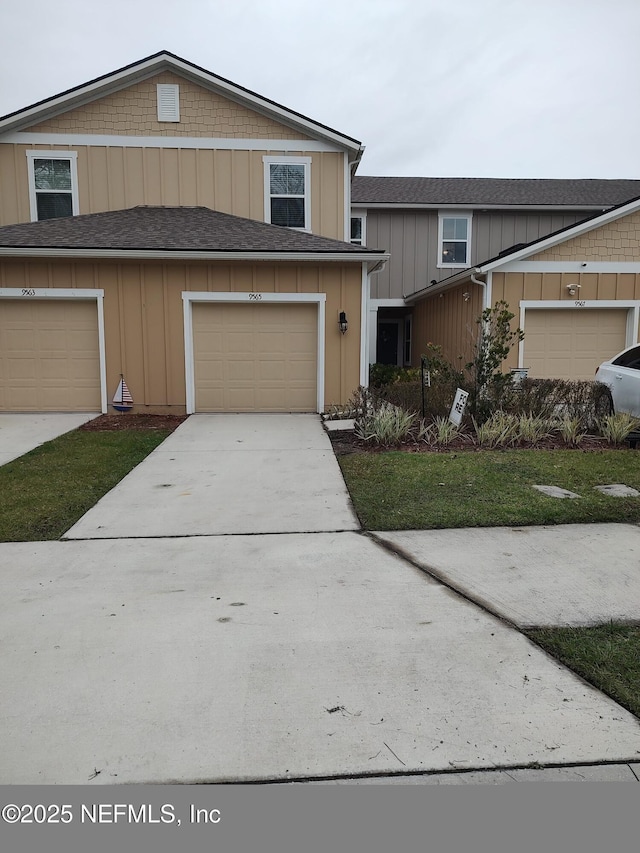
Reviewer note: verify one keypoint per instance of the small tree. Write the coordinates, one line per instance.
(495, 341)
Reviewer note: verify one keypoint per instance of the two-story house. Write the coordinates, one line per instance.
(436, 228)
(166, 224)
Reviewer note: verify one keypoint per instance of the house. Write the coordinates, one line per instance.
(166, 224)
(434, 228)
(575, 293)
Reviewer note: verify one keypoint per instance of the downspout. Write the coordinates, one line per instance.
(483, 285)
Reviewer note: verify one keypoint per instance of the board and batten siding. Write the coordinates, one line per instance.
(411, 236)
(231, 181)
(144, 319)
(448, 320)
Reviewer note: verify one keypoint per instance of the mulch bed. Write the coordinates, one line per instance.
(345, 442)
(109, 423)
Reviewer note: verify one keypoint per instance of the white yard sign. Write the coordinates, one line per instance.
(459, 404)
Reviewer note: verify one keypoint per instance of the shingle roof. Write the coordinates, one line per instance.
(196, 229)
(492, 192)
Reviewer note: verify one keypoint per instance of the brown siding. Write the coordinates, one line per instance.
(143, 311)
(449, 321)
(616, 241)
(230, 181)
(133, 112)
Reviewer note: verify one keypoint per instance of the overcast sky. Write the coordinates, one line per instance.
(479, 88)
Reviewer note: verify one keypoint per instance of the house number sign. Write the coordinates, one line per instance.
(580, 303)
(255, 297)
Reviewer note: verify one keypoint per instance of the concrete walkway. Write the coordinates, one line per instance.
(229, 474)
(212, 655)
(569, 574)
(277, 657)
(20, 433)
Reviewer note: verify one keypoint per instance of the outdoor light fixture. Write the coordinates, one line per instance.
(466, 296)
(573, 289)
(342, 322)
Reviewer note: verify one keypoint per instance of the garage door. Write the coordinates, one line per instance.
(49, 356)
(255, 358)
(571, 343)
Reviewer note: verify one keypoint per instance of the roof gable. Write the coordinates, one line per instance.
(166, 61)
(132, 111)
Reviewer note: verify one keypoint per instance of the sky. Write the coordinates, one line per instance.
(443, 88)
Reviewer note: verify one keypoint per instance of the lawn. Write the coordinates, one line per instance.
(419, 491)
(43, 493)
(608, 656)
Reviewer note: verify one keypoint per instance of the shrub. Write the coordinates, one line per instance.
(570, 430)
(499, 430)
(381, 375)
(444, 431)
(585, 401)
(386, 425)
(615, 428)
(532, 429)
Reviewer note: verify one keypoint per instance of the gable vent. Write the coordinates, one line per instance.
(168, 102)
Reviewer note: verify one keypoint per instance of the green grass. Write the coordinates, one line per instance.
(420, 491)
(46, 491)
(608, 656)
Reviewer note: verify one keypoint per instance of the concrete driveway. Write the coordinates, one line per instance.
(183, 649)
(229, 474)
(20, 433)
(270, 657)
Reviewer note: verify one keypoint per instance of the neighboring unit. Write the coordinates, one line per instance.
(435, 227)
(575, 294)
(166, 224)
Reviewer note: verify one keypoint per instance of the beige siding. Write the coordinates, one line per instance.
(112, 178)
(143, 310)
(412, 238)
(616, 241)
(133, 112)
(49, 358)
(449, 321)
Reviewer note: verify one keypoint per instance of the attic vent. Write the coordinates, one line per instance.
(168, 102)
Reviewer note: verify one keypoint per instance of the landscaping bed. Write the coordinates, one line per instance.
(134, 421)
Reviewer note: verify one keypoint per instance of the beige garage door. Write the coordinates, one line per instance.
(571, 343)
(49, 356)
(255, 358)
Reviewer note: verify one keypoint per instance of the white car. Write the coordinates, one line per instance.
(622, 375)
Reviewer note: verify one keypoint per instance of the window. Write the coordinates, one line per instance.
(408, 324)
(454, 240)
(53, 184)
(358, 229)
(287, 192)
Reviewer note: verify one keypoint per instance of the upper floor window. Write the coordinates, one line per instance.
(53, 184)
(287, 192)
(454, 240)
(358, 229)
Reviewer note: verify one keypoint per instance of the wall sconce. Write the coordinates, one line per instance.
(466, 296)
(573, 289)
(342, 322)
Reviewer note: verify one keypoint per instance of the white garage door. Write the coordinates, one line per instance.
(49, 356)
(255, 358)
(571, 343)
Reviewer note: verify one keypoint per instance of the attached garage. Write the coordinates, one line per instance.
(255, 356)
(49, 355)
(570, 343)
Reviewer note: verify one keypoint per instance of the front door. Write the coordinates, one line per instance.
(388, 341)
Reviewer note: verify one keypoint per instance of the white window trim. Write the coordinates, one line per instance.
(44, 154)
(292, 161)
(362, 215)
(453, 214)
(29, 294)
(189, 297)
(168, 115)
(632, 306)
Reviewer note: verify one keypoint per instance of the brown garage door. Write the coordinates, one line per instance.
(571, 343)
(49, 356)
(255, 358)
